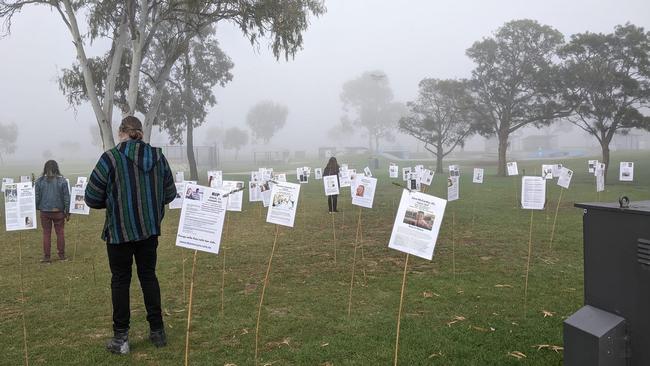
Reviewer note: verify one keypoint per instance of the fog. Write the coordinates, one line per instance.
(408, 42)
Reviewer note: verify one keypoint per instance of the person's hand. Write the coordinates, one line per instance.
(67, 217)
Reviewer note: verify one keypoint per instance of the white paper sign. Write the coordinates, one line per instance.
(413, 181)
(426, 176)
(367, 172)
(302, 174)
(417, 224)
(25, 179)
(202, 216)
(265, 191)
(600, 177)
(180, 177)
(556, 170)
(547, 171)
(215, 178)
(512, 168)
(393, 170)
(478, 176)
(6, 181)
(405, 173)
(318, 173)
(344, 177)
(81, 182)
(453, 188)
(564, 180)
(363, 191)
(236, 199)
(77, 203)
(533, 193)
(626, 172)
(284, 202)
(254, 193)
(331, 185)
(180, 193)
(591, 166)
(20, 206)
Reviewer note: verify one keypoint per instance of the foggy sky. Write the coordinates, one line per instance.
(408, 40)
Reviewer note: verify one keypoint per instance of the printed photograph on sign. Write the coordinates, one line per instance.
(418, 218)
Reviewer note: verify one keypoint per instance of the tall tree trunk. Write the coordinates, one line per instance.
(104, 123)
(439, 156)
(604, 146)
(191, 159)
(138, 45)
(503, 148)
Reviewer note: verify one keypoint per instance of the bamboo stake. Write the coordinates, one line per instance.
(550, 244)
(22, 295)
(474, 204)
(530, 248)
(266, 279)
(399, 313)
(189, 312)
(334, 234)
(354, 262)
(453, 244)
(184, 294)
(74, 255)
(223, 266)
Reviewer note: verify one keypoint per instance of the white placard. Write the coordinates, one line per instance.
(202, 216)
(318, 173)
(363, 191)
(20, 206)
(393, 170)
(533, 193)
(600, 177)
(215, 178)
(413, 181)
(284, 202)
(180, 177)
(426, 176)
(547, 171)
(282, 177)
(254, 193)
(367, 172)
(626, 171)
(177, 203)
(591, 166)
(256, 177)
(331, 185)
(478, 175)
(556, 170)
(81, 182)
(344, 177)
(512, 168)
(6, 181)
(454, 170)
(564, 180)
(453, 189)
(417, 224)
(236, 199)
(77, 204)
(25, 178)
(302, 174)
(405, 173)
(265, 192)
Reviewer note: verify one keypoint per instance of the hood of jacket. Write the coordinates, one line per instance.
(139, 152)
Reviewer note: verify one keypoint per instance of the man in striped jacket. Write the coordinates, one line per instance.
(133, 182)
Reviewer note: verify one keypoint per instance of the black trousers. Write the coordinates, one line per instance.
(331, 202)
(120, 259)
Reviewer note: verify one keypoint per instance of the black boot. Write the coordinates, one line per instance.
(158, 337)
(119, 344)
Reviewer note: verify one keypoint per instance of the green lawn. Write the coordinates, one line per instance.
(474, 316)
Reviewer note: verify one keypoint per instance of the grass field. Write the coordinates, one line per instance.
(471, 316)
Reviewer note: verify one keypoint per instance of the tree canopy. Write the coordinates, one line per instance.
(266, 118)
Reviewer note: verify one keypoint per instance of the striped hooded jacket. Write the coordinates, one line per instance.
(133, 182)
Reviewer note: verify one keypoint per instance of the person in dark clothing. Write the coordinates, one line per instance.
(53, 200)
(133, 182)
(332, 168)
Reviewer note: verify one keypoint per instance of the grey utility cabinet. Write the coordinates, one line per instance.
(613, 328)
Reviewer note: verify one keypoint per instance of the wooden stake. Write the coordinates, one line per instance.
(550, 244)
(74, 255)
(22, 295)
(189, 313)
(516, 193)
(530, 249)
(399, 313)
(223, 266)
(354, 262)
(184, 294)
(334, 234)
(453, 244)
(266, 279)
(93, 264)
(474, 203)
